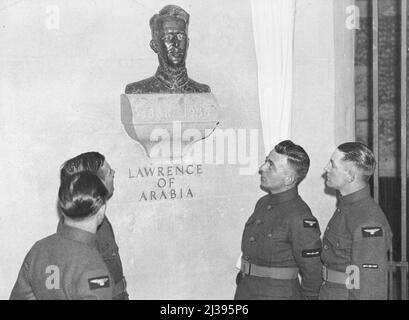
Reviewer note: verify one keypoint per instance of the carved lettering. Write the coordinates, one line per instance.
(177, 170)
(170, 194)
(166, 183)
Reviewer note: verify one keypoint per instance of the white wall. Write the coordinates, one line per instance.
(59, 96)
(323, 105)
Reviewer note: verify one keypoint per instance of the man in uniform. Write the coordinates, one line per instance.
(170, 42)
(358, 235)
(281, 239)
(105, 240)
(67, 265)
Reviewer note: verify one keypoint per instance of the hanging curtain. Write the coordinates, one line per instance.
(273, 28)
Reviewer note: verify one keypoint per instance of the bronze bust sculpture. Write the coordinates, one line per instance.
(170, 42)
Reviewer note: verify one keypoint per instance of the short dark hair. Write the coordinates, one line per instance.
(168, 11)
(360, 155)
(297, 158)
(82, 195)
(88, 161)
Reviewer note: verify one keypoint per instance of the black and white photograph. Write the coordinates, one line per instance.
(203, 150)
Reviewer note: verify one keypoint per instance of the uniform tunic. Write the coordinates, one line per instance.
(358, 234)
(166, 81)
(282, 232)
(108, 248)
(64, 266)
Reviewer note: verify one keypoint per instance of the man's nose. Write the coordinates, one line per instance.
(261, 168)
(175, 42)
(326, 168)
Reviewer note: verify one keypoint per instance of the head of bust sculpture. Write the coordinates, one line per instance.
(169, 36)
(170, 42)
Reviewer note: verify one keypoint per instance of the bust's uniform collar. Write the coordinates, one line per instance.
(172, 79)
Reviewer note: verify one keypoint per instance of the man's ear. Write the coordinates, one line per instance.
(351, 174)
(289, 180)
(153, 45)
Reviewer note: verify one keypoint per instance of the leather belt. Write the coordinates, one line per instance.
(268, 272)
(334, 276)
(119, 287)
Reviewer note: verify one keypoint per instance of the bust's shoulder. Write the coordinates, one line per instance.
(143, 86)
(198, 87)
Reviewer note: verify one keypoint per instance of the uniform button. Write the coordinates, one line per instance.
(325, 247)
(327, 228)
(338, 210)
(252, 239)
(269, 207)
(258, 221)
(270, 235)
(247, 258)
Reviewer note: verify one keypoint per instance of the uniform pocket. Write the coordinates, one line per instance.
(341, 246)
(275, 247)
(278, 234)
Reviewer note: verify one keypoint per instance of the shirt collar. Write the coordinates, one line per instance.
(172, 79)
(276, 198)
(355, 196)
(76, 234)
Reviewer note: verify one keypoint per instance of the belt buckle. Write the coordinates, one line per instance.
(246, 267)
(324, 273)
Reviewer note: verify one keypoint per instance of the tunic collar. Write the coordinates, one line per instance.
(76, 234)
(284, 196)
(355, 196)
(172, 78)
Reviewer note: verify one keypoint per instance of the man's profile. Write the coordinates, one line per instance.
(170, 42)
